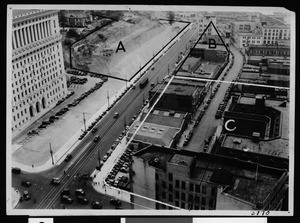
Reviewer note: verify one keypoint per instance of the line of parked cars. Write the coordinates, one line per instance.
(77, 72)
(224, 102)
(77, 80)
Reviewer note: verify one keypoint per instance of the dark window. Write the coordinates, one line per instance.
(203, 189)
(203, 201)
(171, 197)
(211, 204)
(170, 177)
(164, 195)
(177, 203)
(197, 199)
(191, 198)
(176, 195)
(177, 183)
(183, 196)
(182, 185)
(182, 205)
(213, 191)
(170, 187)
(198, 188)
(164, 184)
(191, 187)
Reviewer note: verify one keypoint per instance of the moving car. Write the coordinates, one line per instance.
(25, 183)
(55, 181)
(116, 115)
(96, 139)
(79, 192)
(115, 202)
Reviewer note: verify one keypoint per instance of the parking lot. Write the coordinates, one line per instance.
(63, 121)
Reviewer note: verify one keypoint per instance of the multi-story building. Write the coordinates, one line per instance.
(194, 181)
(204, 22)
(269, 50)
(38, 78)
(276, 34)
(180, 96)
(243, 39)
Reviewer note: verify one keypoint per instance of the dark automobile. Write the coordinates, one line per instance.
(68, 157)
(96, 139)
(115, 202)
(94, 130)
(82, 200)
(66, 199)
(55, 181)
(16, 170)
(65, 191)
(79, 192)
(25, 183)
(96, 205)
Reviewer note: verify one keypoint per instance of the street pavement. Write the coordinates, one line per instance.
(209, 123)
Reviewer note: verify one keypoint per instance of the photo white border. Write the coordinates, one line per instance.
(129, 212)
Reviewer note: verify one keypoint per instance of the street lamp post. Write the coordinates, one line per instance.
(84, 122)
(51, 153)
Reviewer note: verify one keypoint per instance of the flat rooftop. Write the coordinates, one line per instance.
(22, 12)
(179, 89)
(190, 62)
(264, 76)
(206, 47)
(164, 118)
(240, 176)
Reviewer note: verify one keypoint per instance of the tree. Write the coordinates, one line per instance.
(72, 33)
(171, 17)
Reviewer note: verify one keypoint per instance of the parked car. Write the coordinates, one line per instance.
(82, 200)
(79, 192)
(26, 195)
(94, 130)
(105, 158)
(96, 205)
(25, 183)
(115, 202)
(68, 157)
(16, 170)
(66, 199)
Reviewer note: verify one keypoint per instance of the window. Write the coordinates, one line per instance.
(198, 188)
(176, 195)
(183, 196)
(170, 197)
(177, 183)
(182, 185)
(190, 198)
(182, 205)
(213, 191)
(164, 184)
(203, 201)
(203, 189)
(191, 187)
(164, 195)
(211, 204)
(177, 203)
(170, 177)
(170, 187)
(197, 199)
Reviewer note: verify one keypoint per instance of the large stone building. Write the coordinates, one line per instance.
(38, 79)
(194, 181)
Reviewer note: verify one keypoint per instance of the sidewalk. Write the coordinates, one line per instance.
(15, 197)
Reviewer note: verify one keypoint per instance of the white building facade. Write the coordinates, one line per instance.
(276, 34)
(38, 74)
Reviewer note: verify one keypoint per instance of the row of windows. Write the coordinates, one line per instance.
(183, 185)
(193, 202)
(276, 30)
(33, 20)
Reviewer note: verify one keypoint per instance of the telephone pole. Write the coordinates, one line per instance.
(51, 153)
(84, 122)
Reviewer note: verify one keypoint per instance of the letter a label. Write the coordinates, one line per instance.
(120, 47)
(212, 44)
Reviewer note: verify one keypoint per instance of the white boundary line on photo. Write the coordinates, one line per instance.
(33, 212)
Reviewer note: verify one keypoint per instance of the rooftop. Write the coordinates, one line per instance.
(239, 176)
(206, 46)
(179, 89)
(23, 12)
(257, 76)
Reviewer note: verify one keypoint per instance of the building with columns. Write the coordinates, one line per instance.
(38, 74)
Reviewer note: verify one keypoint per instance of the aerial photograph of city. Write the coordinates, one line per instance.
(150, 109)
